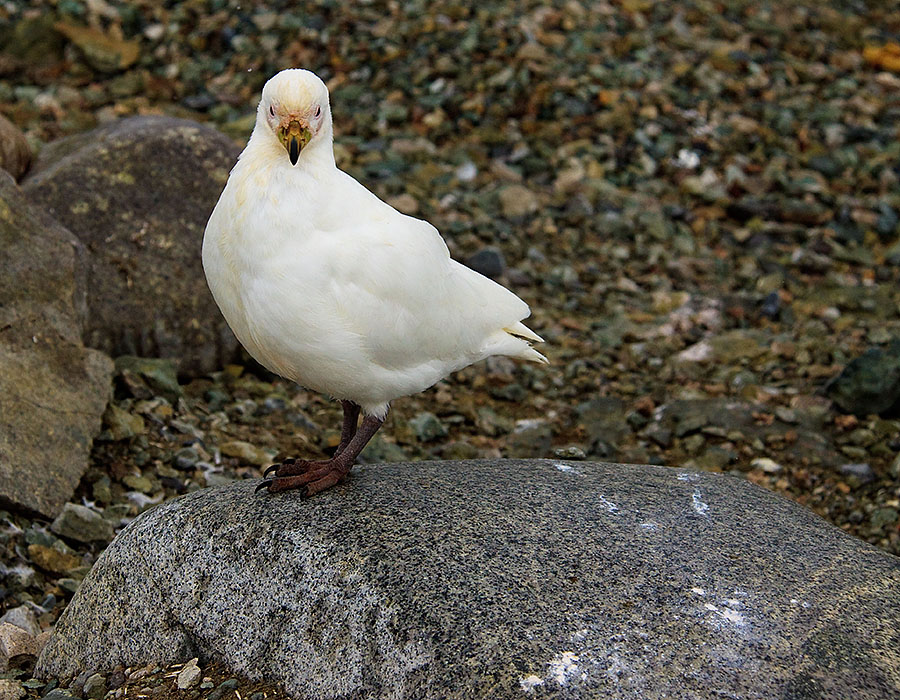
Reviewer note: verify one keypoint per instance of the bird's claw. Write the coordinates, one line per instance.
(287, 465)
(265, 483)
(284, 484)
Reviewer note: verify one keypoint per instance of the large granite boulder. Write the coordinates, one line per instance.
(52, 390)
(138, 193)
(498, 580)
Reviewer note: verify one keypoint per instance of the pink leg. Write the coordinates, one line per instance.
(292, 466)
(320, 475)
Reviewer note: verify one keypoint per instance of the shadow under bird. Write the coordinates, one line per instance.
(328, 286)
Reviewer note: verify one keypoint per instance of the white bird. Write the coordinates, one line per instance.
(328, 286)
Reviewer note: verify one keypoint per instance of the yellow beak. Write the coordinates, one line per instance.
(294, 135)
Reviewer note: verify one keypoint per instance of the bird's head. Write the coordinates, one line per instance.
(295, 107)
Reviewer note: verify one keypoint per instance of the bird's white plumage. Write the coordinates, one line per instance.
(327, 285)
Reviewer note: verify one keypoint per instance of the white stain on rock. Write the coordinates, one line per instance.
(688, 476)
(699, 506)
(563, 667)
(735, 617)
(610, 506)
(529, 683)
(566, 468)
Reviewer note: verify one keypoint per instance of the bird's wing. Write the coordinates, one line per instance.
(396, 286)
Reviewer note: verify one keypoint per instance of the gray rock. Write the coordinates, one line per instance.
(517, 201)
(138, 193)
(492, 579)
(188, 676)
(604, 423)
(11, 690)
(58, 694)
(861, 471)
(869, 383)
(488, 261)
(81, 524)
(120, 424)
(94, 687)
(23, 618)
(530, 438)
(15, 153)
(427, 427)
(158, 375)
(15, 643)
(52, 390)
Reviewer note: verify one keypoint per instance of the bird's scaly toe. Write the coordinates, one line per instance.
(294, 467)
(309, 482)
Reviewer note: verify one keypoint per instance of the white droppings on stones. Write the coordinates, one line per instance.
(735, 617)
(609, 505)
(688, 476)
(698, 591)
(699, 506)
(530, 682)
(649, 526)
(566, 468)
(563, 667)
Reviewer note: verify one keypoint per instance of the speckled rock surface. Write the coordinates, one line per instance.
(52, 390)
(498, 580)
(138, 193)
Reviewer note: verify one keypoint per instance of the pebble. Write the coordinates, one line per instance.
(50, 559)
(427, 427)
(248, 452)
(159, 375)
(58, 694)
(487, 261)
(572, 452)
(861, 471)
(186, 458)
(95, 687)
(769, 466)
(189, 675)
(11, 689)
(121, 424)
(82, 524)
(138, 482)
(22, 617)
(15, 642)
(517, 201)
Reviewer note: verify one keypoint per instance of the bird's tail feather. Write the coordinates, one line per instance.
(515, 342)
(520, 330)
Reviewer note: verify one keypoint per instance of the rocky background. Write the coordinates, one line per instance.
(699, 200)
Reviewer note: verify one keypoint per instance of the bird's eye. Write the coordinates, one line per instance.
(318, 111)
(272, 110)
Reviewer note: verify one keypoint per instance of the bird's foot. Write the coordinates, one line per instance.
(309, 477)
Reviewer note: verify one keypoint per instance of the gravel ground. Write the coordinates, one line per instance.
(699, 200)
